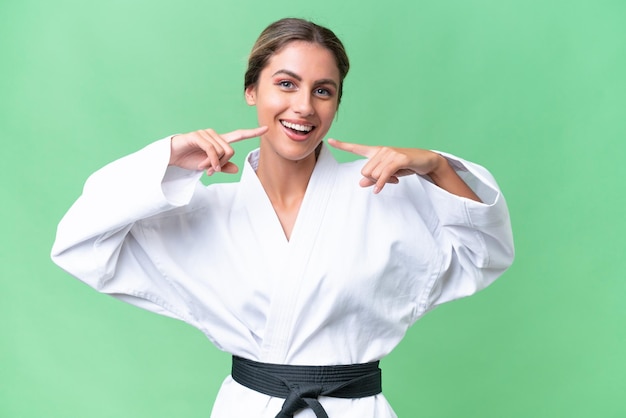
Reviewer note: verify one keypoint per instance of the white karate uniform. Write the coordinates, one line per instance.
(358, 270)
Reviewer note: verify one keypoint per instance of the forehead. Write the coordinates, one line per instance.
(306, 59)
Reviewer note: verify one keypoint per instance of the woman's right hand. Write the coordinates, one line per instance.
(207, 150)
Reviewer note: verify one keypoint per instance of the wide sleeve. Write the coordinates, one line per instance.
(95, 240)
(475, 239)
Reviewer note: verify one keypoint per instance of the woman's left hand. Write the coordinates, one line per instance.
(388, 164)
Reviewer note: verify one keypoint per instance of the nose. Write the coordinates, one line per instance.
(302, 103)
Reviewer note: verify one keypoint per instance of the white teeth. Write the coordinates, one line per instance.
(296, 126)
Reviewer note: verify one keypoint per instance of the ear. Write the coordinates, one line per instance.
(251, 95)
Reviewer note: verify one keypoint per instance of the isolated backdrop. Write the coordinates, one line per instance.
(534, 90)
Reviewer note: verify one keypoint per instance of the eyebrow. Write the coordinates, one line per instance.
(297, 77)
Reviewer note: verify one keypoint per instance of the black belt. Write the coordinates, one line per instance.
(300, 386)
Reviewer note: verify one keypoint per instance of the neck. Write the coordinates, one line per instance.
(284, 181)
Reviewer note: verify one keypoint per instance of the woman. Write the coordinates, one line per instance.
(307, 271)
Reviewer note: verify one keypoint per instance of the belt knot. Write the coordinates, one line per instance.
(302, 395)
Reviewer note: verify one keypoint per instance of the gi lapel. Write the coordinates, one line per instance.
(291, 267)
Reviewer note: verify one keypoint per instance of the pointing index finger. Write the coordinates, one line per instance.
(241, 134)
(358, 149)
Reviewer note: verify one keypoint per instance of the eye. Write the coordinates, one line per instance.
(323, 92)
(285, 84)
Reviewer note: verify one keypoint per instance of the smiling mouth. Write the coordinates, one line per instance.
(298, 128)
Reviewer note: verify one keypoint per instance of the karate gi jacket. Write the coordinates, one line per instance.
(358, 271)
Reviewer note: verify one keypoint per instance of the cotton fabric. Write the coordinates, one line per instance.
(357, 272)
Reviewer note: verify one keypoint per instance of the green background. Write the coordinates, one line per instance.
(534, 90)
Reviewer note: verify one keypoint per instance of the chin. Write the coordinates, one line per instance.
(288, 148)
(297, 151)
(299, 155)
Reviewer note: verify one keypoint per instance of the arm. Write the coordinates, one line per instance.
(444, 176)
(100, 226)
(388, 164)
(464, 207)
(475, 237)
(99, 240)
(160, 177)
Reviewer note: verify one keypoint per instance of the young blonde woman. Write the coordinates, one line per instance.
(307, 271)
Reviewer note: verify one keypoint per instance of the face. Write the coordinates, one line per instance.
(296, 97)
